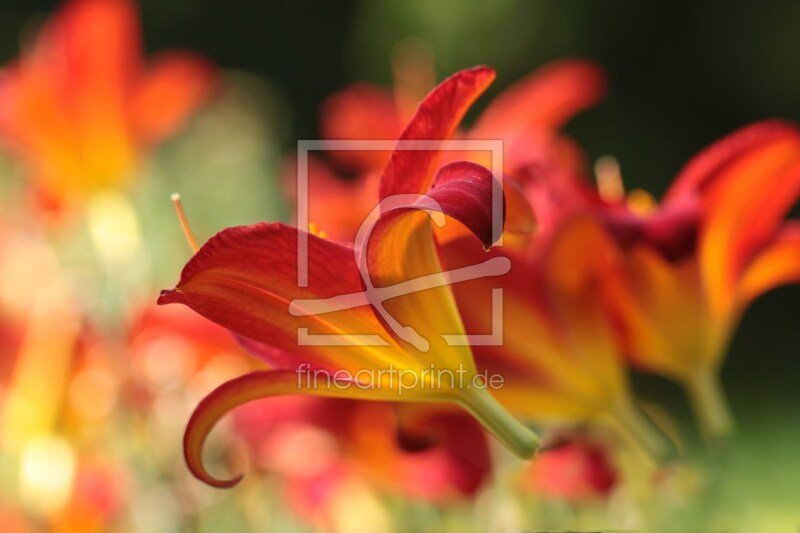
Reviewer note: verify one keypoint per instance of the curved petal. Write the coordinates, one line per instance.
(545, 99)
(171, 89)
(777, 264)
(431, 451)
(410, 171)
(518, 226)
(253, 386)
(704, 168)
(742, 212)
(245, 278)
(466, 192)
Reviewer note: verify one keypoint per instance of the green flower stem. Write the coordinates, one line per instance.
(709, 403)
(517, 437)
(639, 426)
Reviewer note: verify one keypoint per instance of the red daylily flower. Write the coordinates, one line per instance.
(246, 279)
(80, 107)
(526, 117)
(683, 309)
(692, 265)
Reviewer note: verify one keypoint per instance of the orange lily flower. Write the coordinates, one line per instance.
(691, 266)
(683, 303)
(246, 279)
(526, 116)
(80, 107)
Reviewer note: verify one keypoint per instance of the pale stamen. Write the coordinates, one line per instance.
(187, 230)
(609, 179)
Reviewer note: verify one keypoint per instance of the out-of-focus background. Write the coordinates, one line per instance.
(681, 76)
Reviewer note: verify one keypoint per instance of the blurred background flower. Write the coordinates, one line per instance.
(80, 104)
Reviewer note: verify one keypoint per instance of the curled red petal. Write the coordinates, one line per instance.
(462, 190)
(467, 192)
(410, 171)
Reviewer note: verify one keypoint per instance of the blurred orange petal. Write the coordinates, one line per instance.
(545, 99)
(743, 209)
(172, 87)
(777, 264)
